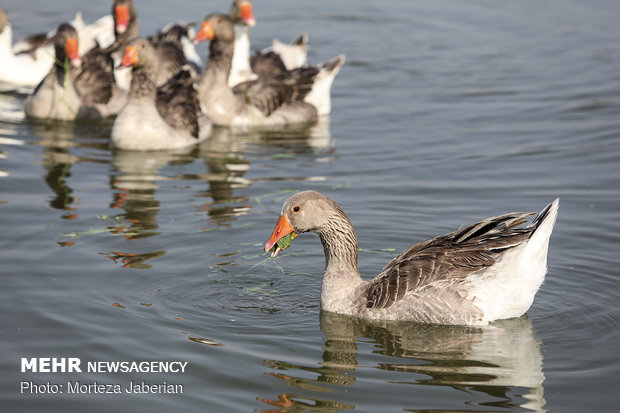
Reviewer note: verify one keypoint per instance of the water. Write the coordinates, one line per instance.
(446, 112)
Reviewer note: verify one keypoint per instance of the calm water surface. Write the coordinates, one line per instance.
(446, 112)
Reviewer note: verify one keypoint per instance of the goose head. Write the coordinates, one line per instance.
(66, 45)
(216, 27)
(307, 211)
(125, 17)
(241, 12)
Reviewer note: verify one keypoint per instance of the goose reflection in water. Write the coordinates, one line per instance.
(224, 155)
(140, 176)
(497, 366)
(57, 140)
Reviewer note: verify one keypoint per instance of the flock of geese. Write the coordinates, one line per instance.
(156, 87)
(486, 271)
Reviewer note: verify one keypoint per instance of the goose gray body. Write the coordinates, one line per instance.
(486, 271)
(263, 104)
(74, 89)
(157, 118)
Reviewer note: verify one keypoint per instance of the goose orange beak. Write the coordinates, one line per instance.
(130, 58)
(121, 14)
(282, 229)
(72, 51)
(205, 32)
(247, 15)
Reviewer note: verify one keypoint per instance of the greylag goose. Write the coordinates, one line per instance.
(28, 61)
(486, 271)
(74, 89)
(243, 68)
(266, 103)
(158, 118)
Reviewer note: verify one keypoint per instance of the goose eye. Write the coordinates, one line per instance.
(296, 209)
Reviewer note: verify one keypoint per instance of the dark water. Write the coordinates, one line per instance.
(445, 112)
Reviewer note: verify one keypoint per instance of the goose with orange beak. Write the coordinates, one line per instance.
(483, 272)
(74, 89)
(263, 105)
(158, 118)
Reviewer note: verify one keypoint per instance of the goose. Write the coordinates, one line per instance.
(155, 118)
(74, 89)
(28, 61)
(483, 272)
(291, 56)
(265, 103)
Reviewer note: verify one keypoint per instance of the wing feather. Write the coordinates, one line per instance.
(451, 257)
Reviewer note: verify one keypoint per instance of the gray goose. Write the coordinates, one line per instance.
(264, 105)
(74, 89)
(156, 118)
(486, 271)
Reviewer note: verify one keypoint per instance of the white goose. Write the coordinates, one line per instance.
(486, 271)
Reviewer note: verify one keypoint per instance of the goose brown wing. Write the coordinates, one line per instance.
(101, 57)
(171, 59)
(173, 33)
(94, 84)
(177, 103)
(268, 94)
(267, 64)
(449, 258)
